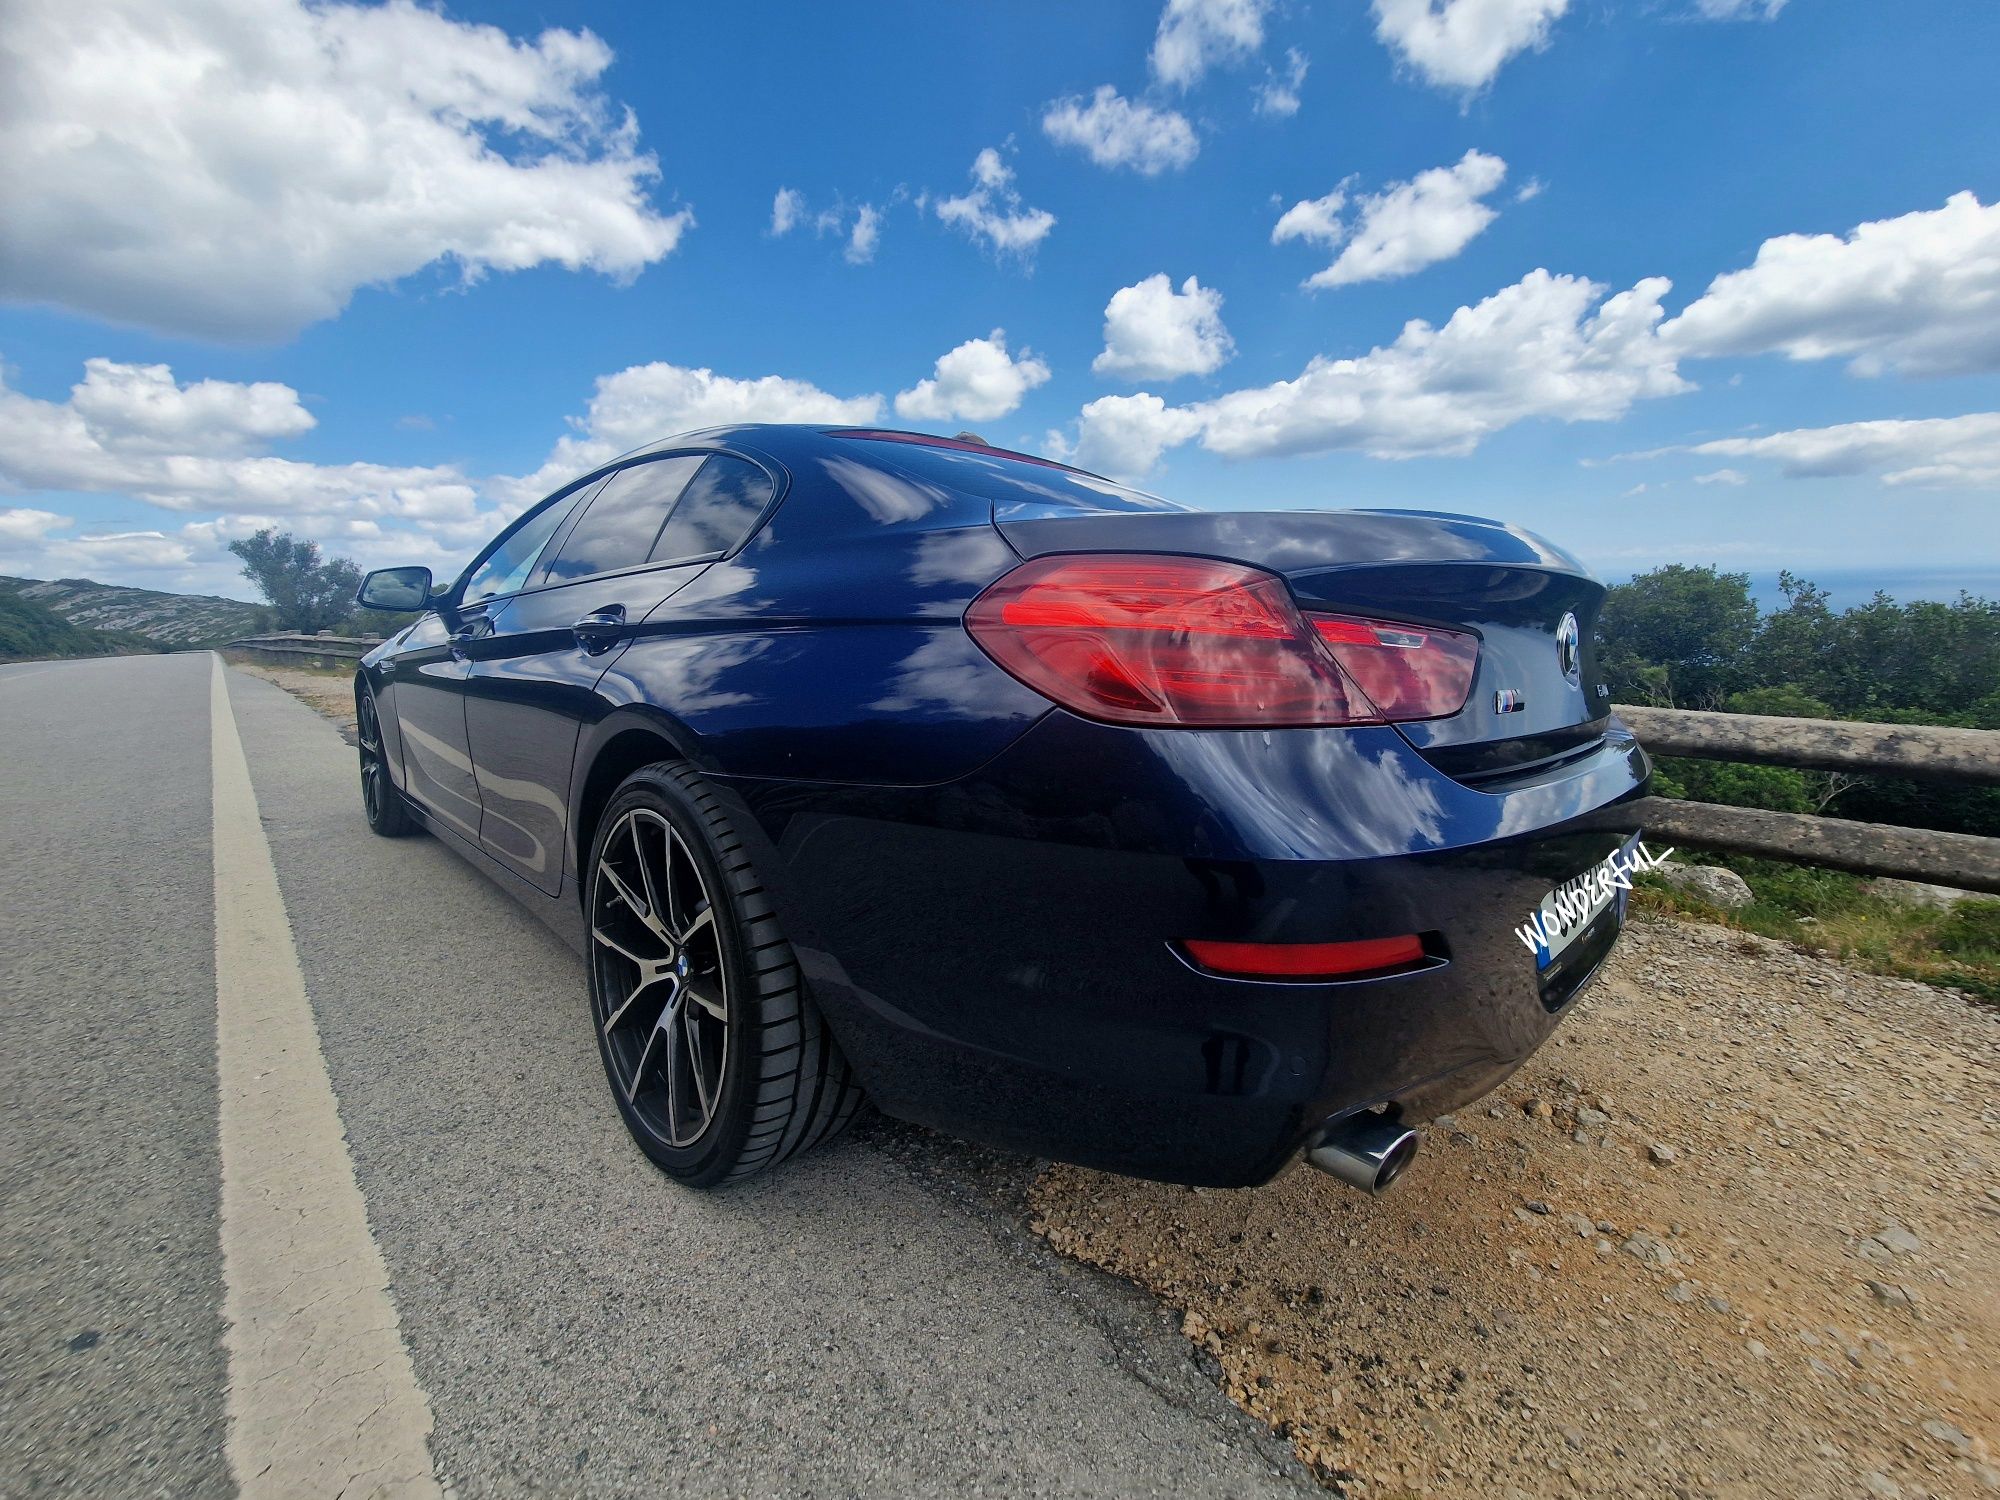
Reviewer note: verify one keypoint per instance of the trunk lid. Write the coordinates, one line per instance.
(1506, 585)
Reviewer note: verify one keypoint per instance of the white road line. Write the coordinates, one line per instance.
(323, 1400)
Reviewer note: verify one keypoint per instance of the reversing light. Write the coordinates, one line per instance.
(1306, 960)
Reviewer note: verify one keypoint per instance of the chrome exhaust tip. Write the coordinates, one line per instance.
(1365, 1151)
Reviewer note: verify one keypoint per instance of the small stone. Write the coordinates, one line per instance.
(1821, 1367)
(1589, 1118)
(1881, 1486)
(1662, 1155)
(1648, 1248)
(1583, 1227)
(1947, 1434)
(1536, 1206)
(1718, 1304)
(1891, 1239)
(1445, 1122)
(1497, 1112)
(1605, 1226)
(1680, 1291)
(1757, 1350)
(1891, 1294)
(1538, 1109)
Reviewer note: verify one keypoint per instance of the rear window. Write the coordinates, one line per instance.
(624, 520)
(716, 510)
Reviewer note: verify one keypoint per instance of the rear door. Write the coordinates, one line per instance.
(651, 528)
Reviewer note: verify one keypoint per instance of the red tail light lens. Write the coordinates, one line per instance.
(1406, 671)
(1138, 639)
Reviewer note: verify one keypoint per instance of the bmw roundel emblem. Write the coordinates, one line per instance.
(1569, 647)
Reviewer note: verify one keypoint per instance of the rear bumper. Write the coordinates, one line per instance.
(998, 955)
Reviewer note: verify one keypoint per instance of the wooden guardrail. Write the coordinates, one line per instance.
(1967, 861)
(300, 650)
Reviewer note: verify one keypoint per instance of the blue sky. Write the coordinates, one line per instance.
(408, 268)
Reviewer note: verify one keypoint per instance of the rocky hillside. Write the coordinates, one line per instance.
(168, 620)
(30, 631)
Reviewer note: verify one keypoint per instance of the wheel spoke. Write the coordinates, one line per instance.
(695, 1064)
(708, 1002)
(703, 918)
(619, 948)
(624, 892)
(651, 915)
(668, 1025)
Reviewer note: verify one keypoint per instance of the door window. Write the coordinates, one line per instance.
(624, 519)
(508, 566)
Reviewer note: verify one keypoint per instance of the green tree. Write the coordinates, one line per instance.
(306, 592)
(1676, 635)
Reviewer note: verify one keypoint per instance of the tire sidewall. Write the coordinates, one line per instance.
(709, 1158)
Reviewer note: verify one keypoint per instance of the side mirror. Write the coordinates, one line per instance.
(396, 589)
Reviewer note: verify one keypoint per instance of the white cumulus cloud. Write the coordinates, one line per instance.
(1919, 295)
(975, 382)
(1548, 346)
(1738, 10)
(1279, 94)
(238, 168)
(1152, 332)
(1116, 132)
(1124, 436)
(1196, 35)
(1927, 452)
(864, 236)
(131, 430)
(644, 403)
(1462, 44)
(788, 208)
(1403, 228)
(992, 210)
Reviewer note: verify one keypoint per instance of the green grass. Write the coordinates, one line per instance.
(1833, 913)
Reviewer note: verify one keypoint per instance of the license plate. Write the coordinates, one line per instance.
(1566, 912)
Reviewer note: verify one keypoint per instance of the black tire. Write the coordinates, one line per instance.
(782, 1085)
(380, 801)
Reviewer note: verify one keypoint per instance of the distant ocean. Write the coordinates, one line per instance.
(1847, 587)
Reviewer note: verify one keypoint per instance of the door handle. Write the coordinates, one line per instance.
(599, 630)
(457, 641)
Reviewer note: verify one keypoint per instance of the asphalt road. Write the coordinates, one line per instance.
(874, 1319)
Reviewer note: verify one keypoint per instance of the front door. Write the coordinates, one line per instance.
(428, 698)
(532, 675)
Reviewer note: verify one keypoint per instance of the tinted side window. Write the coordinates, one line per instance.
(508, 568)
(717, 510)
(623, 522)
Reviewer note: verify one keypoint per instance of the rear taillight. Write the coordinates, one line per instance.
(1137, 639)
(1406, 671)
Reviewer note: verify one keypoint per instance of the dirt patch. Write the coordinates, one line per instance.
(331, 693)
(1735, 1231)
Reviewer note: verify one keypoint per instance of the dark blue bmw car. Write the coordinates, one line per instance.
(868, 764)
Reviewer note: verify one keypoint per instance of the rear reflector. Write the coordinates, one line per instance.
(1306, 960)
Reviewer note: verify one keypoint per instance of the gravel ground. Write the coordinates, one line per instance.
(331, 693)
(1736, 1231)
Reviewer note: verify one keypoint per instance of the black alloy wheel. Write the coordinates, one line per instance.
(381, 801)
(718, 1060)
